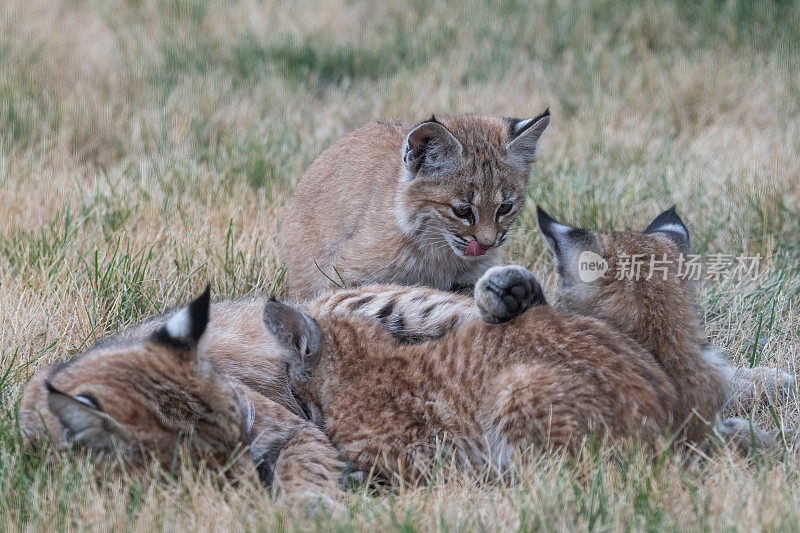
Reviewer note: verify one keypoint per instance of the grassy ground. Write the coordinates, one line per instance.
(149, 146)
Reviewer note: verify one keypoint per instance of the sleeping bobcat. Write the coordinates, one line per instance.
(428, 205)
(136, 395)
(635, 365)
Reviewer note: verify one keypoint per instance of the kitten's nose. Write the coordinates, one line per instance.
(483, 243)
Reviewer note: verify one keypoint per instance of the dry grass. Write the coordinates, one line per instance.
(148, 146)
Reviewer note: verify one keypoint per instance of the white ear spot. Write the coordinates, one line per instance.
(522, 125)
(179, 325)
(558, 230)
(674, 228)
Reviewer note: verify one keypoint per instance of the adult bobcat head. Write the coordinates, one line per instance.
(464, 179)
(140, 399)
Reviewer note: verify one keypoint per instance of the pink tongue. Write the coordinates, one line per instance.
(474, 249)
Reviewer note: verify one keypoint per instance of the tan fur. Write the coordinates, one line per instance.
(232, 395)
(359, 217)
(662, 316)
(419, 314)
(545, 379)
(241, 363)
(135, 379)
(151, 395)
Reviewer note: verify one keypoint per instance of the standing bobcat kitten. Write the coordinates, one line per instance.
(428, 205)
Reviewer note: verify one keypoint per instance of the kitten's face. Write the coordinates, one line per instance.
(469, 208)
(623, 277)
(149, 396)
(141, 398)
(464, 180)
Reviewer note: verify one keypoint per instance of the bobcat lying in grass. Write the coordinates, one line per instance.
(208, 375)
(221, 379)
(214, 385)
(634, 364)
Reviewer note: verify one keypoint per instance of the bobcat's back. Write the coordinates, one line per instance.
(545, 379)
(346, 195)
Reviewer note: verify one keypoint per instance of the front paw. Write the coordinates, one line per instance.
(762, 384)
(746, 437)
(504, 292)
(740, 434)
(779, 387)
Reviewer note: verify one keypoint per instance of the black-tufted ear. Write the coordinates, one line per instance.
(523, 137)
(430, 150)
(577, 252)
(671, 225)
(186, 326)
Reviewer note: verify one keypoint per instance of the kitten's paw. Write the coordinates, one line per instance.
(763, 384)
(314, 504)
(504, 292)
(779, 387)
(738, 433)
(747, 437)
(355, 478)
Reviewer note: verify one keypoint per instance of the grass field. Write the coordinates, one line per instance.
(149, 146)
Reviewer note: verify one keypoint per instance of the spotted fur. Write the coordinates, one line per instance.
(633, 363)
(544, 380)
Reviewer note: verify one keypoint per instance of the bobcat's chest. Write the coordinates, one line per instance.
(436, 266)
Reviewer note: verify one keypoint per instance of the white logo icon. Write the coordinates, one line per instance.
(591, 266)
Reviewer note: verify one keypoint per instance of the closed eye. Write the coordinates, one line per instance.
(88, 399)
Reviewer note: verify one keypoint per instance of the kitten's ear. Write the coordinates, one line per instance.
(671, 225)
(523, 138)
(577, 251)
(430, 150)
(82, 420)
(185, 327)
(297, 334)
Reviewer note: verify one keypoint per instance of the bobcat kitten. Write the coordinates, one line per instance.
(204, 375)
(428, 205)
(212, 372)
(544, 379)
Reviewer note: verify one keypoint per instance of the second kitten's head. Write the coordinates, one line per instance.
(464, 178)
(140, 399)
(640, 282)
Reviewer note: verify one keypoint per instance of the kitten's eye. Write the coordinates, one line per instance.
(504, 209)
(462, 211)
(88, 399)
